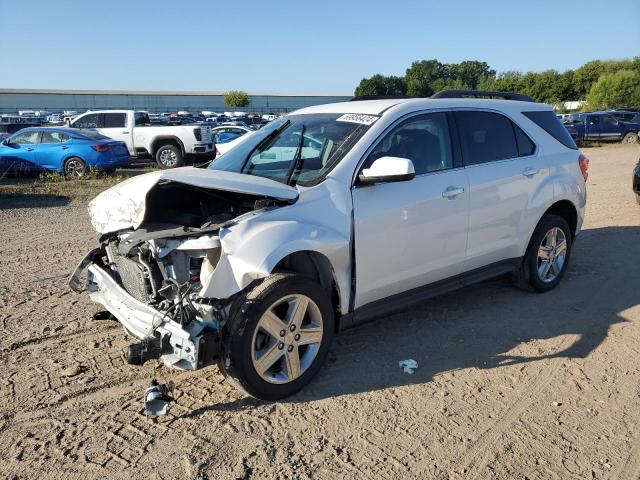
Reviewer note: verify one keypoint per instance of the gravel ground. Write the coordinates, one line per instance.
(511, 385)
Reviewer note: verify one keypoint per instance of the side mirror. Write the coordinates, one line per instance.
(388, 169)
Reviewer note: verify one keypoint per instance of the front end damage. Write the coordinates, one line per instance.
(162, 269)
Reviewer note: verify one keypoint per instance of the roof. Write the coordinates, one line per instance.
(377, 107)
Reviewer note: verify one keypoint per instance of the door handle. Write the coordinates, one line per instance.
(452, 192)
(530, 172)
(29, 149)
(65, 148)
(125, 133)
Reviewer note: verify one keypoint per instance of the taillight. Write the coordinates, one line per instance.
(198, 134)
(584, 166)
(101, 148)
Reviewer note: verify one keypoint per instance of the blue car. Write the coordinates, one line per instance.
(63, 150)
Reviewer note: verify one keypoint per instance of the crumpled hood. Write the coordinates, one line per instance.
(124, 205)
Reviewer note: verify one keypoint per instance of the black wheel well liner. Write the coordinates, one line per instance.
(166, 140)
(566, 210)
(318, 267)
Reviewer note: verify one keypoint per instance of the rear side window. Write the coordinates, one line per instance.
(547, 121)
(525, 146)
(486, 137)
(115, 120)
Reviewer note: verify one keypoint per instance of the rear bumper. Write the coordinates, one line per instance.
(181, 345)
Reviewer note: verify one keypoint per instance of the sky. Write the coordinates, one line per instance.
(293, 46)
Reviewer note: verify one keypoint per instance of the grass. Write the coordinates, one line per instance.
(58, 185)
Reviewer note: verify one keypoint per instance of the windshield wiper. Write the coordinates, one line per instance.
(263, 142)
(295, 163)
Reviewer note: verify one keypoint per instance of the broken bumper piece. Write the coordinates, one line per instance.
(180, 346)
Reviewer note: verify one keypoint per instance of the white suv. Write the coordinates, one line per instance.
(328, 217)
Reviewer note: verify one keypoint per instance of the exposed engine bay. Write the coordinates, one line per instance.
(164, 264)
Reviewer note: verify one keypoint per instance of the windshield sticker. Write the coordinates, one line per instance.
(358, 118)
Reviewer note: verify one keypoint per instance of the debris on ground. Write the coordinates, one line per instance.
(157, 398)
(72, 371)
(408, 366)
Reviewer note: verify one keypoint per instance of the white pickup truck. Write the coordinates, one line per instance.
(168, 145)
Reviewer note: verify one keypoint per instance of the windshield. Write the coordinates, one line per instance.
(278, 151)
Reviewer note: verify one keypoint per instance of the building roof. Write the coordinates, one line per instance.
(159, 92)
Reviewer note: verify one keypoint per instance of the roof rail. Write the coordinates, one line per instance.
(482, 94)
(380, 97)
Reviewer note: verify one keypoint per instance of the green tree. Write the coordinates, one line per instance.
(510, 81)
(470, 73)
(585, 76)
(381, 85)
(236, 98)
(615, 90)
(421, 76)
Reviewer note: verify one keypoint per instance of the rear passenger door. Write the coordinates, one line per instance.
(53, 148)
(504, 170)
(609, 128)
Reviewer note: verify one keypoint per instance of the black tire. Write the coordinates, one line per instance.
(75, 167)
(638, 198)
(630, 137)
(169, 156)
(527, 276)
(238, 335)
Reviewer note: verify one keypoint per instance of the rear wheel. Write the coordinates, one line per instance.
(631, 137)
(169, 156)
(75, 167)
(278, 336)
(547, 256)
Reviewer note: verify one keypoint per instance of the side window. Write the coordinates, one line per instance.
(423, 139)
(27, 138)
(92, 120)
(594, 120)
(609, 120)
(486, 137)
(525, 146)
(115, 120)
(53, 137)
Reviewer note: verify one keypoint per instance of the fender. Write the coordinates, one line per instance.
(251, 251)
(253, 247)
(558, 186)
(158, 140)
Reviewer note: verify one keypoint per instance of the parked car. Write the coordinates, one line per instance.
(602, 126)
(62, 150)
(168, 145)
(226, 133)
(255, 262)
(636, 181)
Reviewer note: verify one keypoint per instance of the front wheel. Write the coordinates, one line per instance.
(547, 256)
(278, 336)
(169, 156)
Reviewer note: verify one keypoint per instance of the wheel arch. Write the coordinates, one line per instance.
(166, 140)
(567, 210)
(317, 266)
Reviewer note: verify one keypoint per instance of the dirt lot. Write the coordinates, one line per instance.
(510, 384)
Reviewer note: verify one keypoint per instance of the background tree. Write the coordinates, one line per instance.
(585, 76)
(381, 85)
(470, 73)
(236, 98)
(421, 76)
(615, 90)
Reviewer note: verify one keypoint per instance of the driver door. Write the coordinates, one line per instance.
(412, 233)
(20, 155)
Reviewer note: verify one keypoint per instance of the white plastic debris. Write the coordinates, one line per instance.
(408, 365)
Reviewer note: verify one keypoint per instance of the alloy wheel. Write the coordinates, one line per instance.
(552, 254)
(168, 158)
(74, 168)
(287, 339)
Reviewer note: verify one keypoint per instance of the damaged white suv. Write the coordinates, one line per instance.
(328, 217)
